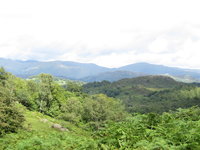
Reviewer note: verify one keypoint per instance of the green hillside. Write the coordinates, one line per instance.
(147, 83)
(45, 113)
(148, 93)
(175, 130)
(37, 133)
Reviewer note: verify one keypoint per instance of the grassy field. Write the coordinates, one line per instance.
(39, 135)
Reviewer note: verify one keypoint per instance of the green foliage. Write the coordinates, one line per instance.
(149, 94)
(73, 87)
(11, 117)
(38, 135)
(100, 109)
(46, 141)
(3, 76)
(48, 96)
(140, 85)
(175, 130)
(67, 102)
(45, 92)
(72, 110)
(95, 110)
(45, 103)
(24, 93)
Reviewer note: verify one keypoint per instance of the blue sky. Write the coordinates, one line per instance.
(110, 33)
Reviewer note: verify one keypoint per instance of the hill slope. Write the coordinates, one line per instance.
(38, 134)
(139, 85)
(149, 93)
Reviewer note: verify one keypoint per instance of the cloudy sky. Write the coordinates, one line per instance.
(109, 33)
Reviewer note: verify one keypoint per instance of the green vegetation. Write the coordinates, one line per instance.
(176, 130)
(11, 118)
(37, 134)
(149, 93)
(46, 114)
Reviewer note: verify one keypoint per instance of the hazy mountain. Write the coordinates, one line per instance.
(153, 69)
(66, 69)
(112, 76)
(92, 72)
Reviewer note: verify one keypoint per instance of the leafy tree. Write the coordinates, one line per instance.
(3, 76)
(11, 118)
(23, 94)
(45, 92)
(73, 87)
(100, 109)
(72, 110)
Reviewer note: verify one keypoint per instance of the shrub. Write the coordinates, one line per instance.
(11, 118)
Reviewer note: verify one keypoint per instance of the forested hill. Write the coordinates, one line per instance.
(44, 113)
(148, 93)
(144, 83)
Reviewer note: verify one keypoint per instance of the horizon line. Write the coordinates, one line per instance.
(139, 62)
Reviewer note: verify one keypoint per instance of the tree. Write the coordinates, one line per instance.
(10, 117)
(100, 109)
(45, 92)
(73, 87)
(3, 76)
(72, 110)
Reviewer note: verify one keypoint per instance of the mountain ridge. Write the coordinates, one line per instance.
(91, 72)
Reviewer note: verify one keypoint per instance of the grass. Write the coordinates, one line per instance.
(39, 135)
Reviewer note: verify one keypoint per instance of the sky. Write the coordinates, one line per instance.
(110, 33)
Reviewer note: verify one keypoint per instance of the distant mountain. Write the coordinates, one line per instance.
(66, 69)
(91, 72)
(153, 69)
(112, 76)
(185, 79)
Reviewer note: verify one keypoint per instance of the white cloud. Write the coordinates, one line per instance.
(160, 45)
(108, 32)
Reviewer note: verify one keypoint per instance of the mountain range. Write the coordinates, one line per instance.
(89, 72)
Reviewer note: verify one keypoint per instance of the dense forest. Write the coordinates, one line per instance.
(148, 93)
(150, 112)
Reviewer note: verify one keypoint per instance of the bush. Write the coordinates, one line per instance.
(11, 118)
(34, 140)
(175, 130)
